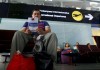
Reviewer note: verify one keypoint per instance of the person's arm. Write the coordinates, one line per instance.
(25, 28)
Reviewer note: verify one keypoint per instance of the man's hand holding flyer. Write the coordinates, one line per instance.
(33, 24)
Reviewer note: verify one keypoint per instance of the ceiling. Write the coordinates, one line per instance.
(79, 4)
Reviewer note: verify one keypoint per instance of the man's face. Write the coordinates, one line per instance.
(36, 14)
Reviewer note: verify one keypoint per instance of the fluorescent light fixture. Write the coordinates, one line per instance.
(78, 8)
(48, 0)
(93, 4)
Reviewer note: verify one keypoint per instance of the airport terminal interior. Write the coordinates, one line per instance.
(76, 24)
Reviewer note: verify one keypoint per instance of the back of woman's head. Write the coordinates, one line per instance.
(77, 43)
(88, 44)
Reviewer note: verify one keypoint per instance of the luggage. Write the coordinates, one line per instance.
(43, 60)
(65, 59)
(21, 62)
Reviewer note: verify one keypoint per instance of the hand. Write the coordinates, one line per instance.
(27, 31)
(40, 31)
(18, 52)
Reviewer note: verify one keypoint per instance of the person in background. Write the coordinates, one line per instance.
(88, 45)
(77, 43)
(59, 54)
(67, 50)
(75, 50)
(76, 46)
(67, 46)
(24, 35)
(58, 48)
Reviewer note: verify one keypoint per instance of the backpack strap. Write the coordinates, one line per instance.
(46, 44)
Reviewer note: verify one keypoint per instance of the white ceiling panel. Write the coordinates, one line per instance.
(84, 4)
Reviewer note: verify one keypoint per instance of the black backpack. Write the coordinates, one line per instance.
(43, 60)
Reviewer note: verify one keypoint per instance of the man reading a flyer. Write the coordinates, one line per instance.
(33, 28)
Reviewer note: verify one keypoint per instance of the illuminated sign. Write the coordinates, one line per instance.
(89, 16)
(52, 13)
(24, 11)
(76, 15)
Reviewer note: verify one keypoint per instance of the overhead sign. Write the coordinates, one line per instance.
(71, 15)
(77, 15)
(24, 11)
(89, 16)
(56, 14)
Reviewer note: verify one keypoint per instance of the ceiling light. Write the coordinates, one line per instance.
(93, 4)
(78, 8)
(48, 0)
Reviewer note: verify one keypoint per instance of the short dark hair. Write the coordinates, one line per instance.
(88, 43)
(68, 44)
(36, 9)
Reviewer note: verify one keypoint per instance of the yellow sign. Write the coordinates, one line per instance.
(77, 15)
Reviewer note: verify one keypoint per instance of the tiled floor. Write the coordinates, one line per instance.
(81, 66)
(93, 66)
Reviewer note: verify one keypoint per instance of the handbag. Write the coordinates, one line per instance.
(43, 60)
(21, 62)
